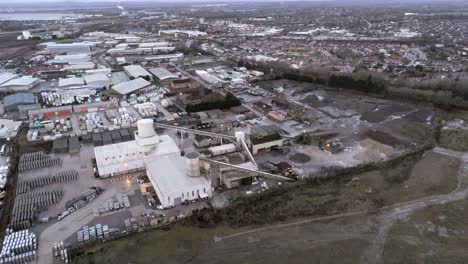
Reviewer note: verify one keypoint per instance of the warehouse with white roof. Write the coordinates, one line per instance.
(70, 59)
(71, 48)
(132, 86)
(136, 71)
(163, 74)
(97, 79)
(160, 157)
(70, 82)
(20, 84)
(5, 77)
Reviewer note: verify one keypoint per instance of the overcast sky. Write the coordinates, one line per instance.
(212, 1)
(38, 1)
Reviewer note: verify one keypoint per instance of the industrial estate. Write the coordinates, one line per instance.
(299, 132)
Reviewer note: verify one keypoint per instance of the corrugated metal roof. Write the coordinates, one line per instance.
(131, 86)
(115, 158)
(22, 81)
(80, 66)
(5, 77)
(70, 81)
(162, 74)
(97, 77)
(18, 98)
(70, 59)
(136, 71)
(168, 174)
(153, 44)
(166, 56)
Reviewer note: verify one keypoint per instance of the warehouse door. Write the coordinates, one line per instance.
(177, 201)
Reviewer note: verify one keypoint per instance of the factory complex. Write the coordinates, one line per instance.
(171, 174)
(232, 116)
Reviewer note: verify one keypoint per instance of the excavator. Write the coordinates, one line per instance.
(284, 168)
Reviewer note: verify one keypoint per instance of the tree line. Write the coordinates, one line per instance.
(227, 102)
(446, 94)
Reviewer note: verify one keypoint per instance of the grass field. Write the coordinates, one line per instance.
(434, 235)
(174, 246)
(456, 139)
(344, 251)
(432, 174)
(413, 178)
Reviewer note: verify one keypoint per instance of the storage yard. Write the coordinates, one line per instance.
(107, 160)
(215, 135)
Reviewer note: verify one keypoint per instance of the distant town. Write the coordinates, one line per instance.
(299, 132)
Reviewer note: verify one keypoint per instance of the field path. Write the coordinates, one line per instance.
(387, 216)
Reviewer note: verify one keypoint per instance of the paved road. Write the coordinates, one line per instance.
(163, 110)
(67, 227)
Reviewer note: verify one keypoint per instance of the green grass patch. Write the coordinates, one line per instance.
(454, 139)
(345, 252)
(436, 234)
(422, 176)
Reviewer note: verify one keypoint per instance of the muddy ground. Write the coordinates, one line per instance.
(303, 233)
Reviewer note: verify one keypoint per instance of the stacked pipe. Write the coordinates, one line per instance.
(36, 160)
(18, 247)
(28, 206)
(61, 251)
(29, 184)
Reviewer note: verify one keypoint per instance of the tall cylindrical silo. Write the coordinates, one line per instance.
(192, 164)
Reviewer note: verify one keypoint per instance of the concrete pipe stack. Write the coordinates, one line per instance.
(18, 247)
(36, 160)
(90, 234)
(29, 205)
(60, 177)
(60, 251)
(131, 225)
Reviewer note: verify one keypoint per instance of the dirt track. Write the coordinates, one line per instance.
(255, 243)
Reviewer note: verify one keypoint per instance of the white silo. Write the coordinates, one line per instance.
(240, 135)
(145, 128)
(192, 164)
(146, 138)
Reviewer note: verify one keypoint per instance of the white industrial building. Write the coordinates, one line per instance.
(7, 76)
(9, 129)
(207, 77)
(70, 59)
(97, 79)
(132, 86)
(136, 71)
(141, 48)
(69, 82)
(71, 48)
(182, 33)
(20, 84)
(174, 178)
(166, 57)
(82, 67)
(262, 58)
(162, 74)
